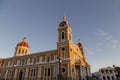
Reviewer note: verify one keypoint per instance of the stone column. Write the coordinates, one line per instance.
(39, 73)
(75, 72)
(26, 73)
(81, 73)
(68, 70)
(6, 74)
(15, 74)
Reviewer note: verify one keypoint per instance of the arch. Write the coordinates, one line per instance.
(48, 58)
(112, 77)
(108, 78)
(34, 60)
(104, 78)
(47, 71)
(63, 50)
(20, 75)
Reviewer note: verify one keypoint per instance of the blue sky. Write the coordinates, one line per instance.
(95, 22)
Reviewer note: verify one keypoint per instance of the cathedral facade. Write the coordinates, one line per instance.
(67, 60)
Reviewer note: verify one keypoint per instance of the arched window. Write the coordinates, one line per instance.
(26, 52)
(48, 58)
(63, 49)
(104, 78)
(63, 36)
(31, 72)
(34, 61)
(69, 36)
(20, 75)
(108, 78)
(23, 61)
(47, 71)
(34, 71)
(113, 78)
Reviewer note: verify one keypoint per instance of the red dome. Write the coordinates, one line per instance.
(79, 44)
(63, 23)
(25, 44)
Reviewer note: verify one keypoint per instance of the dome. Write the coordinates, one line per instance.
(24, 43)
(64, 22)
(79, 44)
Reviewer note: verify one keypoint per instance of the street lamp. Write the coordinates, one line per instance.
(60, 61)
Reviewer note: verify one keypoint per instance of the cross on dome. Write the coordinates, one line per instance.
(64, 18)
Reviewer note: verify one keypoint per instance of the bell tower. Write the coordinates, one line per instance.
(64, 38)
(64, 31)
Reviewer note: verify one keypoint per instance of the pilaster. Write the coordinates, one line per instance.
(16, 70)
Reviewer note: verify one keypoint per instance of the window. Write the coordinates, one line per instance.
(33, 71)
(63, 70)
(48, 58)
(63, 52)
(25, 61)
(110, 71)
(102, 71)
(106, 71)
(63, 49)
(104, 78)
(14, 63)
(34, 61)
(26, 52)
(47, 71)
(108, 78)
(62, 35)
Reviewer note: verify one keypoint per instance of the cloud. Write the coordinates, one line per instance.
(104, 34)
(109, 38)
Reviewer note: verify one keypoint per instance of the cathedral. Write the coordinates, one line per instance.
(66, 62)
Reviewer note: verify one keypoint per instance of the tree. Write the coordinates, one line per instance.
(117, 68)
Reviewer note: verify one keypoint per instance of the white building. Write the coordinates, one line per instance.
(108, 73)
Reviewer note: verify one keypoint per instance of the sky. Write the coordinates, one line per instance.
(95, 22)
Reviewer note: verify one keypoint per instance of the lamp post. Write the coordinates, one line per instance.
(60, 61)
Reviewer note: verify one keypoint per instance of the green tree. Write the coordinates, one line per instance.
(117, 68)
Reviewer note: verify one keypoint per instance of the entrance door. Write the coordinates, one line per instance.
(77, 68)
(20, 75)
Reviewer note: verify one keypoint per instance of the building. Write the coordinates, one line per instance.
(68, 60)
(108, 73)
